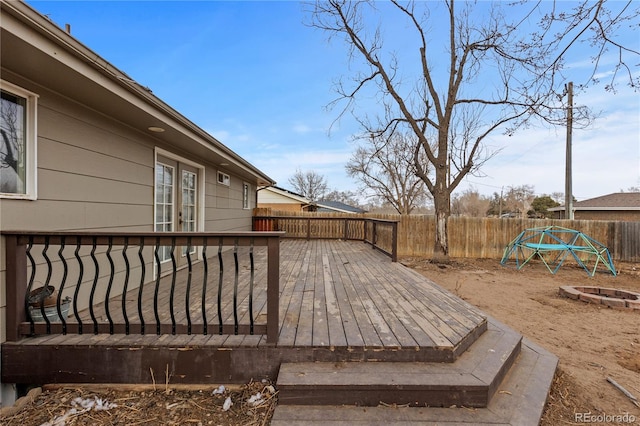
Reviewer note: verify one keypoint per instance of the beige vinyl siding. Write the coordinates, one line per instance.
(223, 204)
(92, 173)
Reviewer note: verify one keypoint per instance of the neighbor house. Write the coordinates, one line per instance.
(281, 199)
(85, 147)
(338, 207)
(621, 206)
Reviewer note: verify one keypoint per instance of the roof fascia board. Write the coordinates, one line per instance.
(83, 60)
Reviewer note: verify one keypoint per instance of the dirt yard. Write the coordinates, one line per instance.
(592, 342)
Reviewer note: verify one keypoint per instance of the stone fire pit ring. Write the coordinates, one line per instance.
(610, 297)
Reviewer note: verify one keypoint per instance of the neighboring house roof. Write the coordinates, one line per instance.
(283, 195)
(615, 201)
(48, 54)
(337, 206)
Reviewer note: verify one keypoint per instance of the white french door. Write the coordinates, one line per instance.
(176, 202)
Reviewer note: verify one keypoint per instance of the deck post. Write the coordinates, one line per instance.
(374, 234)
(394, 242)
(15, 284)
(308, 229)
(273, 289)
(364, 224)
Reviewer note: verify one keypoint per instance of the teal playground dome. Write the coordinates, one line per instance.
(553, 244)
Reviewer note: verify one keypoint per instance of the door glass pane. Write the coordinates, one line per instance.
(164, 204)
(188, 207)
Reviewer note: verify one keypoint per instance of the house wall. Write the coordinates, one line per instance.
(97, 174)
(270, 199)
(625, 216)
(620, 215)
(281, 207)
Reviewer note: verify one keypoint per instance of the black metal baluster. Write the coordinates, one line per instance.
(141, 288)
(188, 293)
(77, 291)
(205, 264)
(65, 271)
(46, 283)
(94, 286)
(221, 275)
(235, 288)
(126, 285)
(155, 295)
(112, 271)
(30, 285)
(173, 285)
(251, 288)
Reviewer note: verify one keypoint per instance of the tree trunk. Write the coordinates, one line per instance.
(443, 211)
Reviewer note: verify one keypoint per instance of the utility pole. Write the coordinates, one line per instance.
(568, 190)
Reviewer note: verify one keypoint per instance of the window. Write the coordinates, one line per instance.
(17, 142)
(224, 179)
(245, 195)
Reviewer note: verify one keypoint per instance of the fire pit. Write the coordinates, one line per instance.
(610, 297)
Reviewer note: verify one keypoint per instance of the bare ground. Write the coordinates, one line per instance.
(592, 342)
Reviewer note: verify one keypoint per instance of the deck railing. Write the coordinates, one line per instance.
(142, 283)
(380, 233)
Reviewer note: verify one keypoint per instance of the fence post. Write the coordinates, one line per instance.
(15, 284)
(273, 289)
(308, 229)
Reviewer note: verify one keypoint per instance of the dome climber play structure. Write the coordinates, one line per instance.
(553, 245)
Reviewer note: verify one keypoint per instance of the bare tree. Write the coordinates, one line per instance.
(384, 164)
(492, 75)
(346, 197)
(518, 200)
(310, 184)
(631, 189)
(558, 197)
(470, 203)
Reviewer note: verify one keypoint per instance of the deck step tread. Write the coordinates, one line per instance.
(470, 381)
(520, 401)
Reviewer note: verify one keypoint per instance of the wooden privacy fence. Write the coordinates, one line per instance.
(487, 237)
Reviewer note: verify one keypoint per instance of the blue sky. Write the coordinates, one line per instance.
(255, 77)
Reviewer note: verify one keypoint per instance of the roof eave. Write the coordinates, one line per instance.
(122, 85)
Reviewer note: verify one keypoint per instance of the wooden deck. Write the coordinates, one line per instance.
(339, 301)
(340, 294)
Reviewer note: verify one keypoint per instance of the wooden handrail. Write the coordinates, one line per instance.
(279, 222)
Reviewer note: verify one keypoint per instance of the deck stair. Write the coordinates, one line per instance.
(498, 380)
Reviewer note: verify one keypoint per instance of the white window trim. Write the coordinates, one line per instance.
(226, 179)
(31, 133)
(201, 184)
